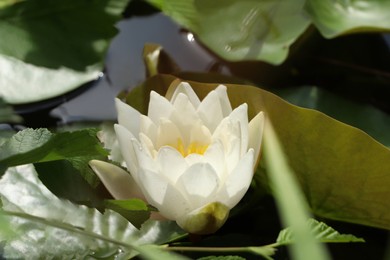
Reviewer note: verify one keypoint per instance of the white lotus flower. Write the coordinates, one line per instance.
(193, 160)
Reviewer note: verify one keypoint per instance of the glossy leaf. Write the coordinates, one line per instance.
(40, 145)
(134, 210)
(237, 30)
(45, 226)
(333, 18)
(322, 233)
(51, 47)
(7, 114)
(342, 170)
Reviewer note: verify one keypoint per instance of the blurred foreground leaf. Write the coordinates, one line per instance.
(343, 172)
(45, 226)
(48, 48)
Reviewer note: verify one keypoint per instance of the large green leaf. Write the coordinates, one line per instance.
(363, 116)
(264, 30)
(237, 30)
(343, 172)
(333, 18)
(50, 47)
(45, 226)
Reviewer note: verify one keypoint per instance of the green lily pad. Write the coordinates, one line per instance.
(343, 172)
(48, 48)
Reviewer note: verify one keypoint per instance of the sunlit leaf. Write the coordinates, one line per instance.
(227, 257)
(333, 18)
(45, 226)
(40, 145)
(321, 231)
(342, 170)
(48, 48)
(237, 30)
(134, 210)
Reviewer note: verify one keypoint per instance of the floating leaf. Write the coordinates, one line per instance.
(51, 47)
(45, 226)
(333, 18)
(342, 170)
(321, 231)
(134, 210)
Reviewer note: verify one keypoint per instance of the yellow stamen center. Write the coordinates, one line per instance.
(193, 147)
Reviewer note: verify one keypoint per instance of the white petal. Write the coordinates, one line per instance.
(167, 134)
(159, 107)
(228, 132)
(147, 145)
(184, 116)
(239, 180)
(128, 116)
(199, 183)
(186, 89)
(215, 156)
(210, 111)
(200, 134)
(240, 114)
(118, 182)
(163, 195)
(145, 160)
(125, 138)
(224, 100)
(171, 163)
(148, 128)
(194, 158)
(256, 127)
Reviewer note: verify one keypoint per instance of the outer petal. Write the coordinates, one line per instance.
(159, 107)
(224, 100)
(128, 116)
(199, 183)
(148, 128)
(210, 110)
(238, 181)
(125, 138)
(215, 156)
(118, 182)
(256, 127)
(160, 193)
(240, 114)
(186, 89)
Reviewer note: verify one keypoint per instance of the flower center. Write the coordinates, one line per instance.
(193, 147)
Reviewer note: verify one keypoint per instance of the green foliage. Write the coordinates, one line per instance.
(228, 257)
(263, 30)
(134, 210)
(45, 226)
(51, 47)
(322, 233)
(40, 145)
(7, 114)
(334, 18)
